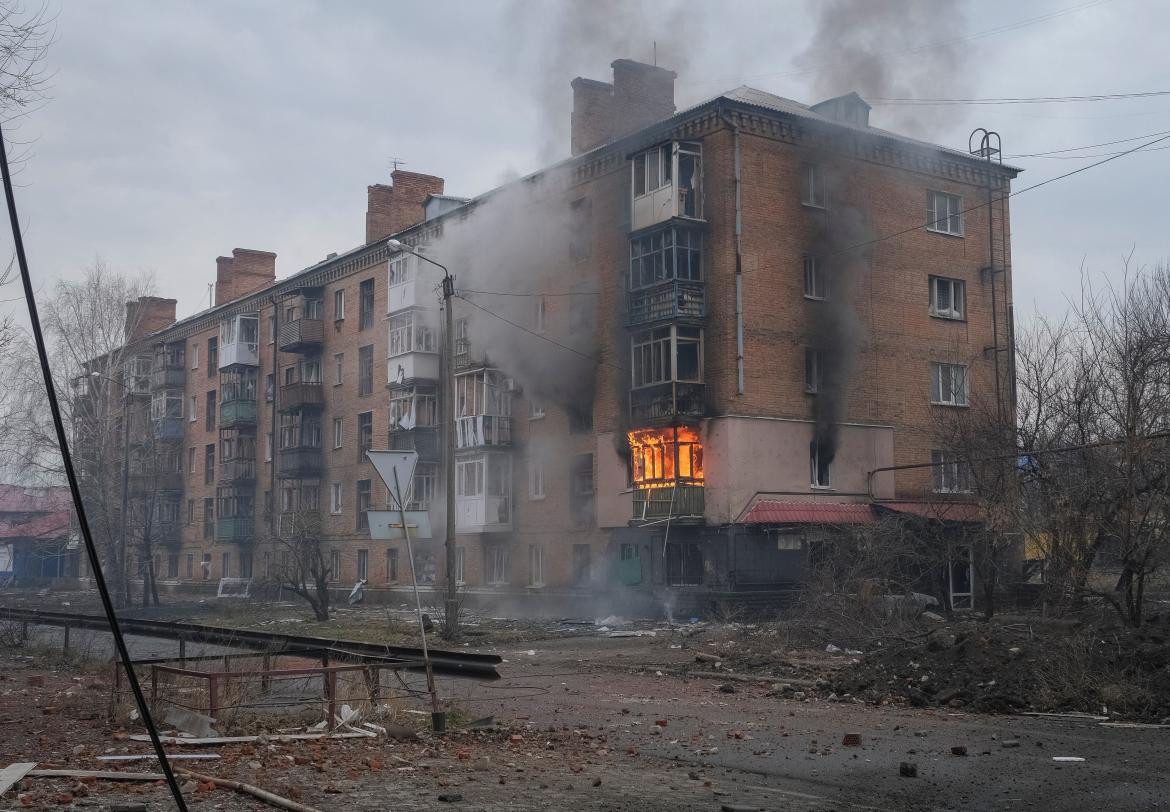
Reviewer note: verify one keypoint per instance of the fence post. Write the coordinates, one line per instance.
(213, 697)
(266, 666)
(331, 695)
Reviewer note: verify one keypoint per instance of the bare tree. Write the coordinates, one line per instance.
(303, 565)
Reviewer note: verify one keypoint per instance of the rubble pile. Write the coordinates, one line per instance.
(1006, 668)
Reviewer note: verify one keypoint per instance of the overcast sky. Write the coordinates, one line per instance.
(176, 131)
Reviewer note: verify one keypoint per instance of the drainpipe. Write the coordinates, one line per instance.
(739, 371)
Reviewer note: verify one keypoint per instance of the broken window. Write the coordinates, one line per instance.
(391, 565)
(365, 434)
(536, 565)
(812, 186)
(400, 269)
(407, 335)
(666, 456)
(690, 179)
(816, 283)
(423, 486)
(948, 384)
(947, 297)
(670, 253)
(363, 565)
(819, 463)
(951, 475)
(535, 479)
(363, 504)
(813, 370)
(962, 577)
(338, 305)
(335, 497)
(672, 353)
(334, 565)
(469, 478)
(944, 213)
(495, 564)
(652, 170)
(410, 408)
(212, 356)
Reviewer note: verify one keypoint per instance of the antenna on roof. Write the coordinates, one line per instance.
(654, 45)
(395, 163)
(211, 294)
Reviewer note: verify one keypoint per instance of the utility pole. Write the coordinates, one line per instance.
(123, 563)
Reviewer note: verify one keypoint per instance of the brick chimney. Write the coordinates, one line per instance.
(245, 271)
(391, 209)
(148, 315)
(640, 95)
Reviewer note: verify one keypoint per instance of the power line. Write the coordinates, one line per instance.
(573, 350)
(513, 293)
(1087, 146)
(1091, 155)
(889, 101)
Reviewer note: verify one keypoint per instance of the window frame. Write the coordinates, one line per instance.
(535, 565)
(338, 432)
(536, 484)
(366, 297)
(658, 346)
(339, 304)
(820, 474)
(949, 473)
(954, 212)
(956, 285)
(816, 281)
(336, 498)
(813, 193)
(814, 370)
(365, 381)
(936, 385)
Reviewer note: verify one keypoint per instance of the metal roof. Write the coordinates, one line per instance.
(942, 511)
(770, 511)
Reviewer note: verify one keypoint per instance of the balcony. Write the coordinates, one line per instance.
(483, 430)
(235, 529)
(301, 335)
(299, 462)
(142, 483)
(424, 440)
(675, 502)
(171, 376)
(297, 396)
(483, 514)
(676, 299)
(666, 402)
(237, 413)
(238, 470)
(168, 429)
(166, 533)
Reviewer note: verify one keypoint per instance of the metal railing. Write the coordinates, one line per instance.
(677, 501)
(675, 299)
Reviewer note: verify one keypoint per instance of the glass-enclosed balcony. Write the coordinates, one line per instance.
(239, 341)
(483, 430)
(483, 493)
(667, 473)
(235, 529)
(300, 461)
(136, 375)
(667, 182)
(170, 367)
(235, 508)
(166, 533)
(424, 440)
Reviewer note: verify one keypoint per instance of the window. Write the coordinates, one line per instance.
(334, 565)
(665, 456)
(581, 488)
(812, 186)
(298, 430)
(190, 511)
(208, 523)
(541, 307)
(535, 410)
(209, 423)
(366, 370)
(272, 329)
(173, 565)
(193, 408)
(948, 384)
(816, 283)
(363, 565)
(190, 565)
(423, 486)
(536, 565)
(290, 374)
(392, 565)
(338, 305)
(268, 447)
(460, 567)
(338, 367)
(495, 564)
(209, 464)
(363, 504)
(813, 370)
(947, 298)
(406, 335)
(962, 577)
(684, 564)
(335, 498)
(311, 370)
(413, 407)
(581, 419)
(269, 387)
(652, 170)
(290, 313)
(666, 354)
(535, 480)
(337, 432)
(400, 269)
(288, 498)
(581, 564)
(191, 460)
(245, 564)
(365, 434)
(469, 477)
(819, 463)
(194, 356)
(315, 309)
(671, 253)
(366, 304)
(212, 356)
(944, 214)
(950, 474)
(206, 565)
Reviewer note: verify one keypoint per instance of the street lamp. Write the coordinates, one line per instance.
(451, 623)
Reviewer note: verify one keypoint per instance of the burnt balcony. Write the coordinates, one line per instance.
(239, 413)
(238, 470)
(301, 335)
(169, 376)
(168, 429)
(235, 529)
(424, 440)
(303, 395)
(682, 501)
(666, 402)
(299, 462)
(672, 300)
(166, 533)
(483, 430)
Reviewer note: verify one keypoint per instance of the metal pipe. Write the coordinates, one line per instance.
(739, 356)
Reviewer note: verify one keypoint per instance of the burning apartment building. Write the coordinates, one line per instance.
(683, 357)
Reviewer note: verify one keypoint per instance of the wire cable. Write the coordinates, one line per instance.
(1087, 146)
(893, 101)
(74, 487)
(511, 293)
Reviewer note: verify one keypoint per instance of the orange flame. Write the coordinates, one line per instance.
(664, 457)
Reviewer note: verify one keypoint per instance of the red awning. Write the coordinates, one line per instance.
(769, 511)
(51, 526)
(942, 511)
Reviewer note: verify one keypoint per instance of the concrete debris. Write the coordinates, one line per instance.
(908, 769)
(188, 721)
(1067, 759)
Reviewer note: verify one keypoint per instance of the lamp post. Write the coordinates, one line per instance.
(447, 370)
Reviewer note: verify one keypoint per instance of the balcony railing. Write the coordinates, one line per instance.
(300, 335)
(675, 501)
(168, 429)
(667, 401)
(235, 528)
(296, 396)
(237, 413)
(240, 470)
(297, 462)
(165, 533)
(483, 430)
(676, 299)
(172, 376)
(143, 483)
(424, 440)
